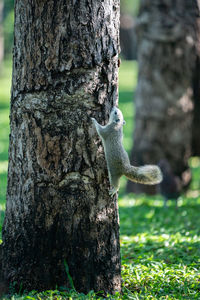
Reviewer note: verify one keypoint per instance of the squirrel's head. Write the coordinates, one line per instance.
(116, 116)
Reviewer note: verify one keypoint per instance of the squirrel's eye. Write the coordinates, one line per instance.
(115, 113)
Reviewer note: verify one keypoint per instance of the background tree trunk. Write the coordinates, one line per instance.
(164, 106)
(127, 37)
(196, 114)
(58, 206)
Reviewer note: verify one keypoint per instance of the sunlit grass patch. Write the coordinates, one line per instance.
(158, 281)
(3, 166)
(5, 84)
(195, 184)
(128, 73)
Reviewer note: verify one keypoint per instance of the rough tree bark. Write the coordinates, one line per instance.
(164, 104)
(58, 206)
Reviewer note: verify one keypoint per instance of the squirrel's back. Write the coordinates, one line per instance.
(116, 156)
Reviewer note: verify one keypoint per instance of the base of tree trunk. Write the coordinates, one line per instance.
(3, 285)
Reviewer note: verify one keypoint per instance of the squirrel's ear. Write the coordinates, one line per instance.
(124, 122)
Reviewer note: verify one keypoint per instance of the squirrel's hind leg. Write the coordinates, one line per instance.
(114, 182)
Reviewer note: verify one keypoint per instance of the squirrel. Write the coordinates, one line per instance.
(117, 159)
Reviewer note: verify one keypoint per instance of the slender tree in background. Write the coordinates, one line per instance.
(1, 33)
(128, 12)
(196, 96)
(167, 35)
(58, 207)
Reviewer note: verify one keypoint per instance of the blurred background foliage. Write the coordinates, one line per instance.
(8, 32)
(8, 26)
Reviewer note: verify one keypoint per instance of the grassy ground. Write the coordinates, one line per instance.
(160, 248)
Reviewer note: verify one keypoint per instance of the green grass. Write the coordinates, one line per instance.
(128, 81)
(5, 85)
(160, 248)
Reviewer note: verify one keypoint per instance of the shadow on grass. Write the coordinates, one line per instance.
(151, 219)
(150, 251)
(150, 233)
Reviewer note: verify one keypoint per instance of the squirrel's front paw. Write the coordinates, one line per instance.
(93, 120)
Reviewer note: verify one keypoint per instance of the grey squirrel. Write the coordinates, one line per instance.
(117, 159)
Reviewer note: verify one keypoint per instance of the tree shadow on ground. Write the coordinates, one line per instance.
(153, 233)
(151, 219)
(173, 252)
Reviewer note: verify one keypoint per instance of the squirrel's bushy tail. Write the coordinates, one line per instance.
(149, 174)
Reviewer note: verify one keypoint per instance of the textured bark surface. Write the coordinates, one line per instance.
(58, 206)
(164, 104)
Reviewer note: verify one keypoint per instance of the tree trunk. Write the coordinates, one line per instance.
(58, 206)
(164, 106)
